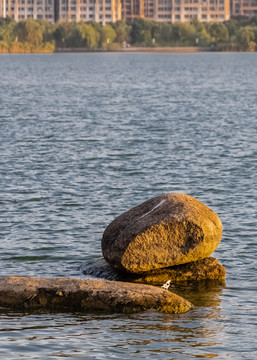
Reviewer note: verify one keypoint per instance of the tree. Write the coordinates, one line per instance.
(107, 35)
(219, 32)
(30, 31)
(183, 33)
(123, 31)
(89, 34)
(247, 37)
(141, 32)
(7, 33)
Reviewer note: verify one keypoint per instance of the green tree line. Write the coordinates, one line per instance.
(40, 36)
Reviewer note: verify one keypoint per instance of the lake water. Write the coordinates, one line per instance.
(84, 137)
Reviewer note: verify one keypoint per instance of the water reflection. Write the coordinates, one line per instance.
(204, 293)
(93, 336)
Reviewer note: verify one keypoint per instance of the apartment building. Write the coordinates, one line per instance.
(186, 10)
(24, 9)
(245, 8)
(132, 9)
(103, 11)
(106, 11)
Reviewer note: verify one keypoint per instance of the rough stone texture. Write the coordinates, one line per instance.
(87, 295)
(168, 230)
(205, 269)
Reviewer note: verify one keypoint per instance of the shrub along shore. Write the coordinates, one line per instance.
(37, 36)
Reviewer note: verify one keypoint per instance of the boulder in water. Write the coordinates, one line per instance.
(168, 230)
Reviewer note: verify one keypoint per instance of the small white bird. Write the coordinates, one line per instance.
(166, 285)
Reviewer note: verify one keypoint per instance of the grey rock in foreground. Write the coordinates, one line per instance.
(63, 294)
(204, 269)
(168, 230)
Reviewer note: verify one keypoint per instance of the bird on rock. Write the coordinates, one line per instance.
(166, 285)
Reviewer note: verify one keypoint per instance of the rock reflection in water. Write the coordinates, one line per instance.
(204, 293)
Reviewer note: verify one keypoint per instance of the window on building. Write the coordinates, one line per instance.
(204, 16)
(177, 16)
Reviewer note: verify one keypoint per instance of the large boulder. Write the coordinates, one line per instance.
(200, 270)
(65, 294)
(168, 230)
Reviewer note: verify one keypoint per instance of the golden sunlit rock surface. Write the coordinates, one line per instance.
(204, 269)
(168, 230)
(63, 294)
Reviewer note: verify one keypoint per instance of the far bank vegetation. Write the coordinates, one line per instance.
(37, 36)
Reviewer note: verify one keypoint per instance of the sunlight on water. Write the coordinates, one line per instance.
(85, 137)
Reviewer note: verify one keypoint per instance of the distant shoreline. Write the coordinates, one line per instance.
(139, 49)
(129, 50)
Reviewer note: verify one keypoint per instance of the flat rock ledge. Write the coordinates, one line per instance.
(63, 294)
(205, 269)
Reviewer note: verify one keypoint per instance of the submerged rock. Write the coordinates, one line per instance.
(205, 269)
(168, 230)
(87, 295)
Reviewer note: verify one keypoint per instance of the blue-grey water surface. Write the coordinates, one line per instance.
(84, 137)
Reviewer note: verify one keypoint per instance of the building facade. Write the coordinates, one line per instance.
(24, 9)
(107, 11)
(187, 10)
(244, 8)
(103, 11)
(132, 9)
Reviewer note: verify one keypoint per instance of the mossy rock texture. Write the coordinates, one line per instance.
(64, 294)
(204, 269)
(168, 230)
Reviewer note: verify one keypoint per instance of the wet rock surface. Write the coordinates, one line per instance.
(63, 294)
(168, 230)
(205, 269)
